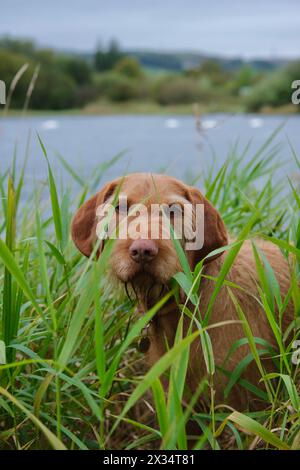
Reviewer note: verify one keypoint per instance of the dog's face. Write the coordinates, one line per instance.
(144, 256)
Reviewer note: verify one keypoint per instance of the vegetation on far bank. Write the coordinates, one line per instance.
(110, 81)
(107, 108)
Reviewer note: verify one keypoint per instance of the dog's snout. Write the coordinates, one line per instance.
(143, 251)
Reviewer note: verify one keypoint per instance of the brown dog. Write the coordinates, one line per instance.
(147, 265)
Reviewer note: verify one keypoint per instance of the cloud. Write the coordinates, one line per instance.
(230, 27)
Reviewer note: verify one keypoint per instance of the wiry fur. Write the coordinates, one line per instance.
(145, 282)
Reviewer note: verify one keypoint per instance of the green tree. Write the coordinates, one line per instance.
(275, 89)
(176, 90)
(106, 59)
(53, 90)
(117, 87)
(10, 63)
(78, 68)
(19, 46)
(129, 67)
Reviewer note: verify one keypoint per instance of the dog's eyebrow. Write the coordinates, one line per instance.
(111, 198)
(175, 199)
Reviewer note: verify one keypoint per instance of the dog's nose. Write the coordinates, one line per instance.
(143, 251)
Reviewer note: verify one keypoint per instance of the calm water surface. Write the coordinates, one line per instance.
(152, 143)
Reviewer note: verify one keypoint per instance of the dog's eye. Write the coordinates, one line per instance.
(173, 209)
(121, 208)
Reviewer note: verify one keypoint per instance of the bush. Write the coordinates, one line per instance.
(267, 93)
(85, 94)
(129, 67)
(117, 87)
(10, 63)
(78, 69)
(275, 89)
(53, 90)
(63, 82)
(242, 81)
(211, 71)
(178, 90)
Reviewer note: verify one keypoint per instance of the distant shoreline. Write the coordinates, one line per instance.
(147, 108)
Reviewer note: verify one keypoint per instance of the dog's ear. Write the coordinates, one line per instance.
(84, 223)
(215, 233)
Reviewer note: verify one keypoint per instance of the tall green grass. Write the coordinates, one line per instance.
(70, 373)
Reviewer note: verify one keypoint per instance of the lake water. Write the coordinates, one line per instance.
(152, 143)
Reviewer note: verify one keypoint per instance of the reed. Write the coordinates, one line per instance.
(72, 377)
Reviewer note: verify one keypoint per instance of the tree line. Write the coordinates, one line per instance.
(57, 81)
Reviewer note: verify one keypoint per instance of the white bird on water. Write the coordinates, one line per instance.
(256, 122)
(50, 125)
(172, 123)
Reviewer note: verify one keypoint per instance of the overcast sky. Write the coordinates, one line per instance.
(253, 28)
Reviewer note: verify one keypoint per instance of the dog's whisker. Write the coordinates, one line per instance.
(149, 291)
(150, 288)
(134, 290)
(162, 290)
(127, 292)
